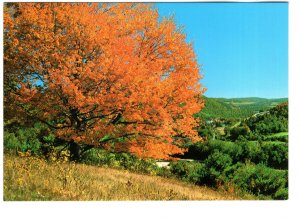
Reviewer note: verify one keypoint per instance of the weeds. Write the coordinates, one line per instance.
(33, 178)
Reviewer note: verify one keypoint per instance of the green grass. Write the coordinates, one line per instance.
(275, 142)
(280, 134)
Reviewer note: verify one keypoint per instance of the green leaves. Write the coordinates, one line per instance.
(105, 138)
(262, 180)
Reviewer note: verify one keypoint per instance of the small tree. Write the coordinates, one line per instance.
(237, 132)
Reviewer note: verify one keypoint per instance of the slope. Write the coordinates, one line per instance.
(235, 108)
(35, 179)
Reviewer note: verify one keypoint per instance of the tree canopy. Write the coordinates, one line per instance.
(102, 74)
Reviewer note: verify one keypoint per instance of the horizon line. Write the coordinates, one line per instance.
(245, 97)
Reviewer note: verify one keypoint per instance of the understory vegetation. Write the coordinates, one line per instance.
(251, 153)
(250, 163)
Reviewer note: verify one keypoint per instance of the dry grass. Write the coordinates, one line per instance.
(32, 178)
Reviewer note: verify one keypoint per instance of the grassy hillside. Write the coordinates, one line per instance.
(215, 108)
(35, 179)
(227, 108)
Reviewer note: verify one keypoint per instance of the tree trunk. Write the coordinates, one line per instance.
(74, 149)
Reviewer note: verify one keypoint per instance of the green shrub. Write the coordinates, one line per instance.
(93, 157)
(218, 164)
(216, 170)
(224, 163)
(281, 194)
(201, 151)
(237, 132)
(194, 172)
(164, 172)
(233, 150)
(198, 151)
(271, 154)
(252, 151)
(24, 139)
(276, 155)
(27, 138)
(262, 180)
(11, 142)
(218, 161)
(120, 160)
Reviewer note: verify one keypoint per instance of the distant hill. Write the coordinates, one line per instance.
(253, 103)
(217, 108)
(275, 120)
(234, 108)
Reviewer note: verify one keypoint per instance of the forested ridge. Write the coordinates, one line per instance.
(236, 107)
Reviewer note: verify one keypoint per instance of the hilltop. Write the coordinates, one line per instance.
(234, 108)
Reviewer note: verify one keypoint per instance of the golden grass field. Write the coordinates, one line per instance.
(32, 178)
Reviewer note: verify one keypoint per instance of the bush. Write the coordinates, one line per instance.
(218, 161)
(164, 172)
(252, 151)
(11, 142)
(194, 172)
(234, 150)
(214, 172)
(281, 194)
(218, 164)
(120, 160)
(276, 155)
(36, 139)
(201, 151)
(239, 131)
(262, 180)
(24, 139)
(271, 154)
(224, 163)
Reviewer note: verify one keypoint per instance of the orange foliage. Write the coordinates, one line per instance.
(96, 70)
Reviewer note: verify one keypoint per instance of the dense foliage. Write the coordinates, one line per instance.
(219, 170)
(250, 155)
(102, 75)
(261, 180)
(273, 121)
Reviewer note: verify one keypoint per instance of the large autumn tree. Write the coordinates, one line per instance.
(102, 75)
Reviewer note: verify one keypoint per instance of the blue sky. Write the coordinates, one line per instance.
(242, 47)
